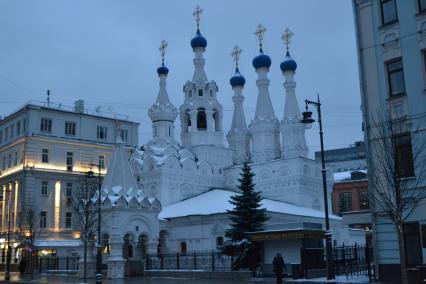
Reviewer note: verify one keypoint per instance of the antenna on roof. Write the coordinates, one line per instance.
(48, 98)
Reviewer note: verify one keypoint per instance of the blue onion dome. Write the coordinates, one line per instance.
(288, 64)
(237, 79)
(162, 70)
(262, 60)
(198, 40)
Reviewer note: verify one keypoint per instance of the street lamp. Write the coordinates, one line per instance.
(98, 246)
(308, 120)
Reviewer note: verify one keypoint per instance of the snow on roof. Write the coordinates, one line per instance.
(57, 243)
(216, 201)
(341, 176)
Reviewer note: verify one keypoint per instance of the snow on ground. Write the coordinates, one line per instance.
(339, 279)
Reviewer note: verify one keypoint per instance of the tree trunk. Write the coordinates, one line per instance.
(85, 262)
(404, 279)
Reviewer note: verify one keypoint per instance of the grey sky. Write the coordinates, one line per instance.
(106, 52)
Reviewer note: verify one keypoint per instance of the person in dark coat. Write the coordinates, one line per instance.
(278, 265)
(22, 266)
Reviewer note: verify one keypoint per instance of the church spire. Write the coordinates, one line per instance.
(198, 44)
(162, 113)
(264, 128)
(238, 136)
(292, 131)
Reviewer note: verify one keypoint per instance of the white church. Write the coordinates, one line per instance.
(173, 195)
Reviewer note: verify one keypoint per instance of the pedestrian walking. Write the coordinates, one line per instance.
(278, 265)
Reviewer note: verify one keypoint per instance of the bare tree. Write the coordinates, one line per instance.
(84, 212)
(397, 177)
(29, 228)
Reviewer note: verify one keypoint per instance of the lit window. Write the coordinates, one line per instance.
(388, 9)
(68, 220)
(395, 77)
(101, 133)
(46, 125)
(69, 128)
(70, 161)
(43, 219)
(45, 156)
(44, 185)
(363, 200)
(102, 161)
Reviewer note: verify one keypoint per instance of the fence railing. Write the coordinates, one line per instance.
(68, 263)
(195, 260)
(348, 260)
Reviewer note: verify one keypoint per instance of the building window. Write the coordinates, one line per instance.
(68, 187)
(6, 133)
(4, 163)
(18, 128)
(412, 244)
(70, 161)
(24, 125)
(190, 94)
(182, 247)
(1, 136)
(363, 200)
(68, 220)
(422, 6)
(219, 241)
(43, 219)
(404, 164)
(22, 156)
(101, 161)
(44, 185)
(201, 119)
(388, 9)
(101, 133)
(70, 128)
(124, 134)
(200, 93)
(424, 235)
(16, 159)
(396, 77)
(45, 156)
(12, 130)
(345, 202)
(46, 125)
(9, 161)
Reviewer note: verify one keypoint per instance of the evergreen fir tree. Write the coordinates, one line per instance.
(246, 216)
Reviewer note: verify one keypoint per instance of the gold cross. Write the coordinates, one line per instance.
(286, 37)
(197, 13)
(162, 48)
(236, 52)
(260, 31)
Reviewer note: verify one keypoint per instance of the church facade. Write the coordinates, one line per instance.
(174, 195)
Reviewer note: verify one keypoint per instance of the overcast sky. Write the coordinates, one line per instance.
(106, 52)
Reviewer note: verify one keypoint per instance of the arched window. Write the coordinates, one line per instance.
(128, 246)
(201, 119)
(211, 93)
(105, 244)
(182, 247)
(216, 119)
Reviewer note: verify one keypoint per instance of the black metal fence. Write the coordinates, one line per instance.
(53, 263)
(196, 260)
(348, 260)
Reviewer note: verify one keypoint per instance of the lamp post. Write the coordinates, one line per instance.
(99, 245)
(8, 254)
(308, 120)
